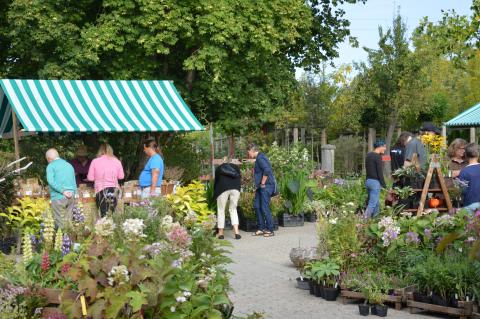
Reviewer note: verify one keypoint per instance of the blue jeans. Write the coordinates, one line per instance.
(473, 207)
(373, 189)
(261, 204)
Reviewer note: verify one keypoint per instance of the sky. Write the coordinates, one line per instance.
(365, 20)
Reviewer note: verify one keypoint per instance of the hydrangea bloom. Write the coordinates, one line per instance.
(118, 274)
(104, 227)
(133, 228)
(391, 231)
(428, 233)
(179, 236)
(154, 249)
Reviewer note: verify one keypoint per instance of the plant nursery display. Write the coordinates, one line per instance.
(155, 260)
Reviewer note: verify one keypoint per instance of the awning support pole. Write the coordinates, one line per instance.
(15, 138)
(212, 152)
(472, 135)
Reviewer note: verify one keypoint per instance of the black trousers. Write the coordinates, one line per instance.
(107, 200)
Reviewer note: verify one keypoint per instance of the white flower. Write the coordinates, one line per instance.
(104, 227)
(181, 299)
(333, 221)
(172, 309)
(187, 293)
(167, 221)
(133, 228)
(118, 274)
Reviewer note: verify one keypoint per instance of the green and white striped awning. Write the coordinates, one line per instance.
(468, 118)
(94, 106)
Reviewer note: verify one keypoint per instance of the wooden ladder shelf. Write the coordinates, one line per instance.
(434, 167)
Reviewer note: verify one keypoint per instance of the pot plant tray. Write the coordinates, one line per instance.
(288, 220)
(251, 225)
(348, 295)
(463, 311)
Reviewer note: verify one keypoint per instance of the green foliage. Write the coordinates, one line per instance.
(27, 215)
(289, 162)
(191, 198)
(294, 191)
(246, 204)
(348, 154)
(326, 271)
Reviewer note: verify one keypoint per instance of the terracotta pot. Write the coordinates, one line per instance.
(434, 203)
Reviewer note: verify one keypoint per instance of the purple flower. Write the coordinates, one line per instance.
(428, 233)
(412, 238)
(78, 217)
(66, 244)
(339, 181)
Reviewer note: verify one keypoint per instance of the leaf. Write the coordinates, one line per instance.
(116, 304)
(447, 240)
(137, 300)
(221, 300)
(96, 309)
(199, 310)
(214, 314)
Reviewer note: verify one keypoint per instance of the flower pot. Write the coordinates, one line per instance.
(381, 310)
(318, 290)
(422, 298)
(373, 309)
(302, 283)
(453, 302)
(439, 300)
(311, 285)
(331, 294)
(364, 309)
(288, 220)
(311, 217)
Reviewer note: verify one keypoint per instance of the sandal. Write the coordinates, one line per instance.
(268, 234)
(258, 233)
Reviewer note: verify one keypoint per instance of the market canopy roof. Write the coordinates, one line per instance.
(468, 118)
(94, 106)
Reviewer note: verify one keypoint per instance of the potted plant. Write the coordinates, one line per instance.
(404, 194)
(246, 213)
(294, 191)
(327, 272)
(376, 301)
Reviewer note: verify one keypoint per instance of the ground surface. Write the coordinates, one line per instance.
(264, 279)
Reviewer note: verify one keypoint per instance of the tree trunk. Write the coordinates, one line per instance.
(189, 79)
(295, 135)
(391, 130)
(231, 148)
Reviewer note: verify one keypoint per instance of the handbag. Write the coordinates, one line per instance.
(228, 170)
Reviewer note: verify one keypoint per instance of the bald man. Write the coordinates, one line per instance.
(62, 184)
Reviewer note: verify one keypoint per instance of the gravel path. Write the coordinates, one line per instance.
(264, 279)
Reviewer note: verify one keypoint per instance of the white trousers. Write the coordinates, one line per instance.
(233, 195)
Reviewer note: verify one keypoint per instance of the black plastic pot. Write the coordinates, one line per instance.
(373, 310)
(421, 298)
(331, 294)
(311, 285)
(288, 220)
(381, 310)
(318, 289)
(364, 309)
(453, 302)
(439, 301)
(303, 283)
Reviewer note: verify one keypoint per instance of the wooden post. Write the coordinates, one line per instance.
(231, 148)
(302, 135)
(473, 138)
(444, 132)
(371, 138)
(287, 138)
(212, 152)
(15, 138)
(295, 135)
(324, 137)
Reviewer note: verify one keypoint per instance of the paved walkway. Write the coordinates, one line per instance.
(264, 279)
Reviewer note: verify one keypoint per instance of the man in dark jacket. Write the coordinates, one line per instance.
(266, 185)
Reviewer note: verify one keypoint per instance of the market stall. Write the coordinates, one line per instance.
(70, 106)
(469, 119)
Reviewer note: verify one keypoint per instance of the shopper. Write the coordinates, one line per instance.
(415, 146)
(375, 181)
(227, 189)
(266, 187)
(397, 153)
(151, 177)
(105, 171)
(81, 165)
(471, 175)
(61, 182)
(456, 155)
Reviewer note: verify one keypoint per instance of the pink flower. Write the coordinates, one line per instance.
(179, 237)
(45, 261)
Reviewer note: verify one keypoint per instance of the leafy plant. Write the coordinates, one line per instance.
(295, 192)
(191, 198)
(246, 204)
(326, 271)
(27, 215)
(404, 192)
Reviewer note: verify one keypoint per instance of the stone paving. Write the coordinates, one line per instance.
(264, 279)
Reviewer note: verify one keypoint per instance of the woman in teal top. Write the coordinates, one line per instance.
(150, 179)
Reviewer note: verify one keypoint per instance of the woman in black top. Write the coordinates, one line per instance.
(227, 189)
(375, 180)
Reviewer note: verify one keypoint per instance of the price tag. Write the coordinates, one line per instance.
(28, 193)
(128, 195)
(86, 195)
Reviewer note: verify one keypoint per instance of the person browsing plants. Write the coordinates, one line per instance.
(265, 188)
(375, 181)
(62, 184)
(227, 189)
(151, 177)
(471, 175)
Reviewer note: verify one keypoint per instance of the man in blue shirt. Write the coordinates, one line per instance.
(150, 179)
(62, 184)
(471, 174)
(266, 186)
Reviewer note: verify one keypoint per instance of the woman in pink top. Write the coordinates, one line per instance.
(105, 171)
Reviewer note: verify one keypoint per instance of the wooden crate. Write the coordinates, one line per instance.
(463, 311)
(348, 295)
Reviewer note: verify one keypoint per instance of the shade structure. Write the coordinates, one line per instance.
(94, 106)
(468, 118)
